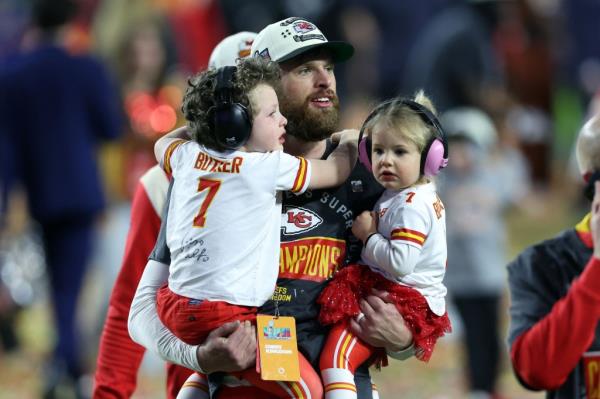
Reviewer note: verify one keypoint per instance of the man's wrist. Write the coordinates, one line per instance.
(398, 347)
(200, 361)
(401, 353)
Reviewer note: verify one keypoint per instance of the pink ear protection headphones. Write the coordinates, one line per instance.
(434, 156)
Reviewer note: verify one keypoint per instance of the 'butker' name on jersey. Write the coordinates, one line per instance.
(210, 164)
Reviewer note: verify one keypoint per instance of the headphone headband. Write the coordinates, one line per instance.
(424, 113)
(224, 85)
(434, 156)
(230, 121)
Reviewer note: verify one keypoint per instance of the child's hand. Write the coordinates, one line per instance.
(364, 225)
(346, 153)
(347, 144)
(347, 135)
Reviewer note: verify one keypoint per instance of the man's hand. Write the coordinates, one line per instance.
(382, 325)
(231, 347)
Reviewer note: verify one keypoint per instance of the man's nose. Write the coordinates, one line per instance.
(323, 78)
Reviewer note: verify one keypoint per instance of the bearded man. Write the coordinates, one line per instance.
(315, 230)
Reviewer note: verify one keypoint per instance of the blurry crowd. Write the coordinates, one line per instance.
(513, 81)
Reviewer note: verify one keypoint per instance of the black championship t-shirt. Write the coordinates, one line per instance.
(315, 242)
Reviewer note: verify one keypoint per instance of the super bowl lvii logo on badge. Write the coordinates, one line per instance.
(272, 332)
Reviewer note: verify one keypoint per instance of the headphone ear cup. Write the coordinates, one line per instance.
(231, 125)
(434, 160)
(590, 190)
(364, 152)
(231, 122)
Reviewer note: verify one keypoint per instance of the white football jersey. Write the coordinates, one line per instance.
(224, 220)
(410, 246)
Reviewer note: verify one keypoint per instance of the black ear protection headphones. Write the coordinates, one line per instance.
(434, 156)
(589, 190)
(229, 122)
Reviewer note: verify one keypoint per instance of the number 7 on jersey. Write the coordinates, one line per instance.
(212, 186)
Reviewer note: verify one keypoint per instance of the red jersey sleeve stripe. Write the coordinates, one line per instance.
(300, 176)
(168, 153)
(411, 239)
(409, 235)
(409, 231)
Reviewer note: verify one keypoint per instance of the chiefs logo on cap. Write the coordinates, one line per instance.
(303, 27)
(245, 48)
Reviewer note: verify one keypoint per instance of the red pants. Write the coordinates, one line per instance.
(191, 320)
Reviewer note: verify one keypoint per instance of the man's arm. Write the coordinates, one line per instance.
(231, 347)
(562, 336)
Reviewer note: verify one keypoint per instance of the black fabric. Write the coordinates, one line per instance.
(479, 315)
(161, 253)
(538, 278)
(338, 207)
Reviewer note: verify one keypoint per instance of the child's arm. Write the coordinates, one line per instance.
(334, 170)
(396, 257)
(162, 144)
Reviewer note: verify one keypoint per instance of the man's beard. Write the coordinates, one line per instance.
(310, 123)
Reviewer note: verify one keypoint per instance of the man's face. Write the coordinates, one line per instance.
(309, 100)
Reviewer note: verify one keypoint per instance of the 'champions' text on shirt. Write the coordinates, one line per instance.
(315, 258)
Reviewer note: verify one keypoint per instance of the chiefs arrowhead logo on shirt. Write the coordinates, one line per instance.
(295, 220)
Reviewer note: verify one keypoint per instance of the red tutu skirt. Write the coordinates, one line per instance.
(340, 301)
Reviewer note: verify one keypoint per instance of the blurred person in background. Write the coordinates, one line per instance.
(119, 357)
(453, 59)
(522, 41)
(555, 297)
(150, 81)
(382, 32)
(478, 186)
(55, 106)
(319, 220)
(150, 84)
